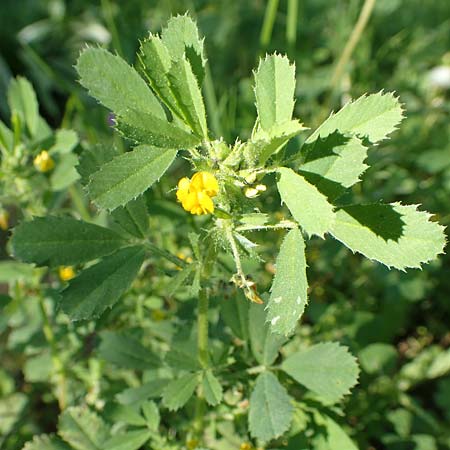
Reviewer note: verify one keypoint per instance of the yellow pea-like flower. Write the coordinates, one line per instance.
(195, 195)
(44, 162)
(66, 273)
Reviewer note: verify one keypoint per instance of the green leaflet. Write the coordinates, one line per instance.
(115, 84)
(309, 207)
(335, 437)
(395, 235)
(125, 351)
(22, 101)
(179, 391)
(45, 442)
(271, 409)
(133, 217)
(128, 175)
(64, 173)
(62, 241)
(6, 138)
(264, 344)
(274, 91)
(288, 296)
(235, 311)
(212, 389)
(92, 159)
(327, 369)
(131, 440)
(100, 286)
(82, 429)
(152, 389)
(372, 116)
(151, 414)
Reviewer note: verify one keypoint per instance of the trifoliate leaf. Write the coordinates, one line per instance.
(309, 207)
(115, 84)
(131, 440)
(372, 116)
(100, 286)
(288, 295)
(128, 175)
(62, 241)
(271, 408)
(126, 351)
(212, 389)
(274, 91)
(395, 235)
(46, 442)
(264, 344)
(22, 101)
(179, 391)
(82, 429)
(327, 369)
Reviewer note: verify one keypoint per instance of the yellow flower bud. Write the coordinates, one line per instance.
(66, 273)
(245, 446)
(44, 162)
(4, 220)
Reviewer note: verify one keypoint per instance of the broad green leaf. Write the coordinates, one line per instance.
(395, 235)
(64, 173)
(46, 442)
(151, 414)
(125, 351)
(289, 295)
(129, 175)
(62, 241)
(335, 158)
(212, 389)
(271, 408)
(82, 429)
(38, 368)
(12, 408)
(183, 356)
(133, 217)
(186, 91)
(22, 101)
(274, 91)
(131, 440)
(11, 271)
(100, 286)
(336, 437)
(181, 38)
(93, 158)
(309, 207)
(126, 415)
(264, 144)
(378, 358)
(115, 84)
(327, 369)
(65, 142)
(152, 389)
(372, 116)
(264, 344)
(179, 391)
(235, 312)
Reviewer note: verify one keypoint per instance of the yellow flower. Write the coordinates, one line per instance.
(44, 162)
(245, 446)
(4, 220)
(66, 273)
(195, 195)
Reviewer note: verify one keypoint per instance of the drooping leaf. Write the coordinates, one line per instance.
(327, 369)
(46, 442)
(131, 440)
(62, 241)
(125, 351)
(271, 409)
(82, 429)
(179, 391)
(395, 235)
(129, 175)
(372, 116)
(309, 207)
(288, 296)
(274, 91)
(264, 344)
(212, 389)
(100, 286)
(115, 84)
(22, 101)
(133, 217)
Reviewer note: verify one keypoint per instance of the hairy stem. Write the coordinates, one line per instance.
(202, 328)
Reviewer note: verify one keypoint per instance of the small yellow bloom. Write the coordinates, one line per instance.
(66, 273)
(4, 220)
(44, 162)
(245, 446)
(195, 195)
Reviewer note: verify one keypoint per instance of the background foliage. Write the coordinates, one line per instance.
(395, 323)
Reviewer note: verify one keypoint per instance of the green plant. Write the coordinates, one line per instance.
(162, 112)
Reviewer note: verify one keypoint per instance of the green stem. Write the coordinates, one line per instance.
(269, 20)
(291, 26)
(78, 202)
(211, 103)
(109, 18)
(56, 360)
(352, 41)
(202, 328)
(165, 254)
